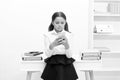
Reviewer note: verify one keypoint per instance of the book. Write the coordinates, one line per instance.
(91, 58)
(32, 58)
(33, 53)
(91, 54)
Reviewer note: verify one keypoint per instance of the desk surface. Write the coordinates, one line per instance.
(104, 65)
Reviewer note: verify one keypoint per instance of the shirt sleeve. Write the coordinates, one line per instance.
(47, 43)
(69, 51)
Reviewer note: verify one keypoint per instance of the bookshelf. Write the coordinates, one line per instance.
(109, 16)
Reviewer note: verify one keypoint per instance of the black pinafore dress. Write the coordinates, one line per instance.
(59, 67)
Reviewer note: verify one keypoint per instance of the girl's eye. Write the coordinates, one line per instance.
(57, 22)
(62, 22)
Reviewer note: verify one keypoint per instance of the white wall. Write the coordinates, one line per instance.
(22, 23)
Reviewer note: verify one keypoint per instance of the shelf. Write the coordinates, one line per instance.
(106, 14)
(98, 36)
(112, 52)
(107, 18)
(106, 0)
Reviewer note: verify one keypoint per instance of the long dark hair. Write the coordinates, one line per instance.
(58, 14)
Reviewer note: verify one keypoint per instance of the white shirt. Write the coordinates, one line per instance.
(60, 49)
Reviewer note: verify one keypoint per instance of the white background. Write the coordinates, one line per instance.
(22, 23)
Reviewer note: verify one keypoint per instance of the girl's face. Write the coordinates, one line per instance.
(59, 24)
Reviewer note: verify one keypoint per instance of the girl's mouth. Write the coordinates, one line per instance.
(59, 28)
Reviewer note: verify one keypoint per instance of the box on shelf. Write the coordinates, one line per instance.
(103, 29)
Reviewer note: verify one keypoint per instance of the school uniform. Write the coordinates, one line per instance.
(59, 64)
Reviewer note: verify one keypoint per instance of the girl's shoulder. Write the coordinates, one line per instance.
(69, 33)
(48, 34)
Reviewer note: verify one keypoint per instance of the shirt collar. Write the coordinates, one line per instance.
(55, 33)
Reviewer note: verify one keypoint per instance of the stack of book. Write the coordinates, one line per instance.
(32, 56)
(91, 55)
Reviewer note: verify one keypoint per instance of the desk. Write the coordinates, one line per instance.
(87, 67)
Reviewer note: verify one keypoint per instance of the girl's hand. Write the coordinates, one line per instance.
(65, 42)
(55, 43)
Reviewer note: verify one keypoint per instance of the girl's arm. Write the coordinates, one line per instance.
(47, 49)
(69, 46)
(69, 51)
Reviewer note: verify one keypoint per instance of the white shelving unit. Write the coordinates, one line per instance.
(108, 40)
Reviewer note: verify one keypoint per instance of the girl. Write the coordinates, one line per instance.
(58, 48)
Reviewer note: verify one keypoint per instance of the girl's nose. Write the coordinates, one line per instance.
(60, 25)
